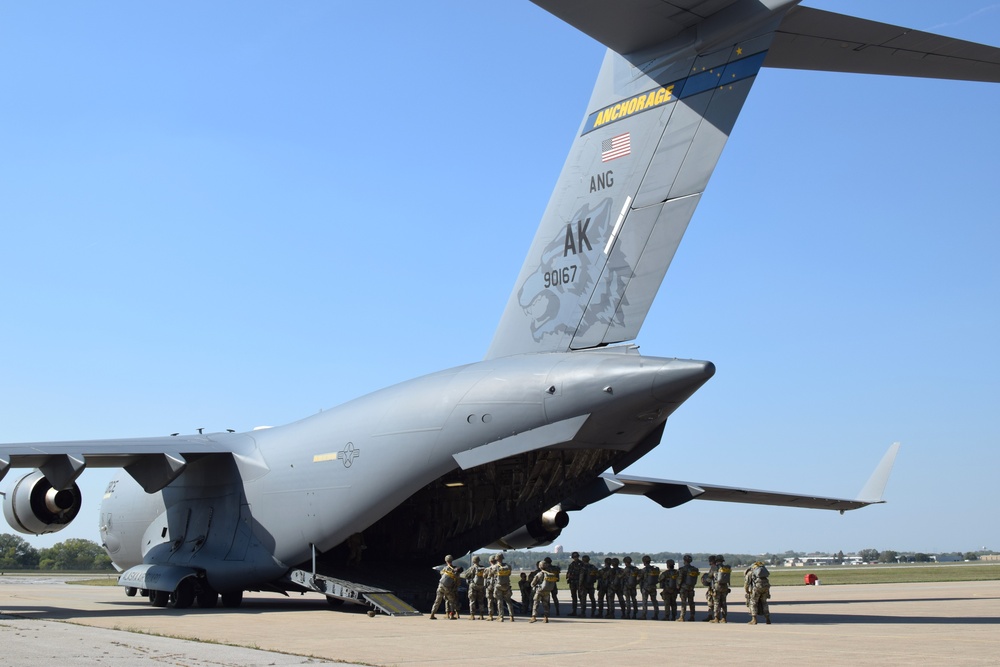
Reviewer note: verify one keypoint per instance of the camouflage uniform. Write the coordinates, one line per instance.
(708, 579)
(446, 590)
(630, 579)
(501, 588)
(556, 570)
(543, 584)
(757, 587)
(477, 588)
(616, 586)
(588, 577)
(650, 577)
(669, 586)
(687, 578)
(491, 600)
(525, 594)
(573, 580)
(720, 586)
(603, 587)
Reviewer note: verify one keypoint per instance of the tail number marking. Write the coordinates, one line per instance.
(557, 277)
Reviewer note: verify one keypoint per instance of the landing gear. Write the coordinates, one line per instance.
(183, 595)
(159, 598)
(130, 591)
(232, 599)
(207, 598)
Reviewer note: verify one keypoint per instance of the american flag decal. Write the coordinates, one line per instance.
(616, 147)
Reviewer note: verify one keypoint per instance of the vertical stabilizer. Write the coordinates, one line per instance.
(652, 135)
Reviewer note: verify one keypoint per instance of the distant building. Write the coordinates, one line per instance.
(557, 549)
(816, 561)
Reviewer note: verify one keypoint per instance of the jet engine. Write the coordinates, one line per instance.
(537, 533)
(35, 507)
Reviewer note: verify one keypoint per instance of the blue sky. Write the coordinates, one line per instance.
(237, 214)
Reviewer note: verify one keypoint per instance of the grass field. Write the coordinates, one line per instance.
(880, 574)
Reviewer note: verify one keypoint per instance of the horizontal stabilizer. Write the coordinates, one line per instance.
(672, 493)
(813, 39)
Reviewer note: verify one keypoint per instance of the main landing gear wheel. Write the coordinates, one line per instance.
(207, 598)
(183, 595)
(232, 599)
(159, 598)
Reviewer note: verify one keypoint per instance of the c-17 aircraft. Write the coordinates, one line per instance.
(496, 452)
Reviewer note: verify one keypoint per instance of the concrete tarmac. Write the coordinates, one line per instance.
(884, 624)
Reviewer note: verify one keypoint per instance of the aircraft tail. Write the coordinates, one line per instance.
(650, 139)
(672, 83)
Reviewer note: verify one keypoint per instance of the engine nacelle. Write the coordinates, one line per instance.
(34, 507)
(536, 533)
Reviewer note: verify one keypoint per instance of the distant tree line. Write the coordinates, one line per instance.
(526, 560)
(73, 554)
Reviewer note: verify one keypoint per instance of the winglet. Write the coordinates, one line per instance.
(875, 486)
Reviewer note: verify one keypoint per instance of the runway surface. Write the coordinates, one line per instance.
(45, 619)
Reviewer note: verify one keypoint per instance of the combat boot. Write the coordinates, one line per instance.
(546, 618)
(767, 619)
(753, 621)
(491, 615)
(433, 617)
(512, 618)
(680, 619)
(533, 619)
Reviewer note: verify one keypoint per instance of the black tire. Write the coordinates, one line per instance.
(183, 595)
(207, 598)
(130, 591)
(232, 599)
(159, 598)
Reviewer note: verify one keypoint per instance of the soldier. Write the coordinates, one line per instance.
(447, 586)
(491, 600)
(707, 580)
(758, 589)
(687, 578)
(720, 587)
(501, 588)
(669, 587)
(476, 576)
(603, 587)
(650, 576)
(573, 580)
(525, 594)
(543, 584)
(616, 586)
(630, 579)
(554, 569)
(588, 577)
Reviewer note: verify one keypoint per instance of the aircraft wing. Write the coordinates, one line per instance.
(813, 39)
(672, 493)
(153, 462)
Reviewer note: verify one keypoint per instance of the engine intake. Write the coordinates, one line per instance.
(35, 507)
(536, 533)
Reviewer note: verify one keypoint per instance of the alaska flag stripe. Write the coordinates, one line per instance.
(737, 70)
